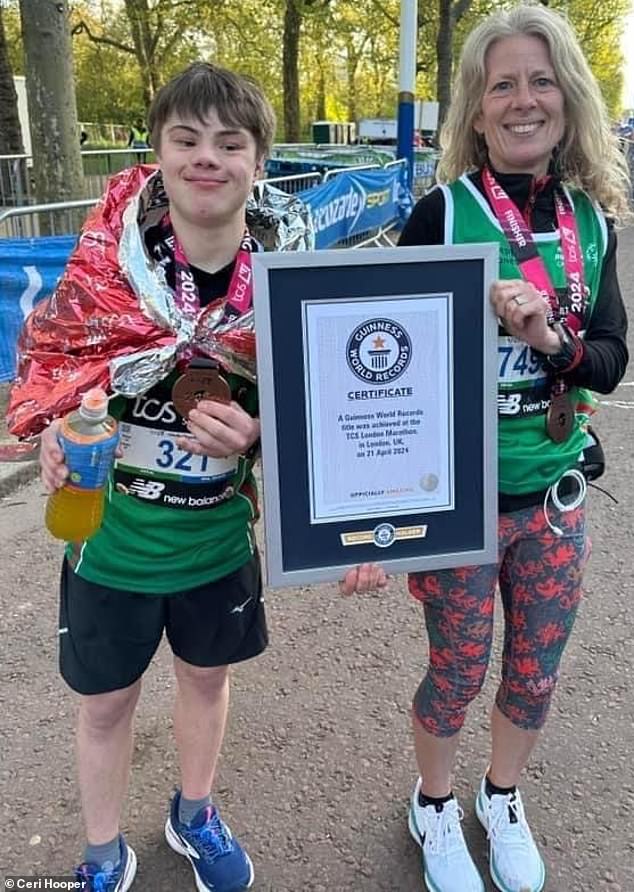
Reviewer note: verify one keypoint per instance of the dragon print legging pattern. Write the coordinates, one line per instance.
(539, 575)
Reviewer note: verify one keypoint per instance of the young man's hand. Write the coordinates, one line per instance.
(53, 471)
(364, 578)
(220, 429)
(52, 468)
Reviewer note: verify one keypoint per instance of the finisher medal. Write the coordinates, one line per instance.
(560, 418)
(198, 384)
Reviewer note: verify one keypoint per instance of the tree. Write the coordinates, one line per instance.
(12, 178)
(290, 70)
(108, 85)
(449, 13)
(384, 61)
(353, 32)
(330, 59)
(11, 21)
(142, 43)
(155, 28)
(10, 133)
(240, 36)
(294, 13)
(50, 90)
(599, 26)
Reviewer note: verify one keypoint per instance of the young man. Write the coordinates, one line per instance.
(159, 281)
(176, 549)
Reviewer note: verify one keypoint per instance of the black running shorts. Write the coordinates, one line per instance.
(107, 636)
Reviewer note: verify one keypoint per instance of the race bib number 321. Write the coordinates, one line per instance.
(155, 469)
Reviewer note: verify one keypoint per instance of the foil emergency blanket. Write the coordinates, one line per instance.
(113, 322)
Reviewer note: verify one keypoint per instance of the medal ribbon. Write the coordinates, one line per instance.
(239, 295)
(533, 270)
(530, 262)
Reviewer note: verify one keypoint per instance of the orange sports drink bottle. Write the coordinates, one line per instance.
(88, 438)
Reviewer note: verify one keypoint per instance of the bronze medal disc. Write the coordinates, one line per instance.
(560, 418)
(196, 385)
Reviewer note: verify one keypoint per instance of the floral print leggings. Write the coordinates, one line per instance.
(539, 575)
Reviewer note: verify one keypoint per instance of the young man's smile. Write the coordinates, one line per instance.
(208, 168)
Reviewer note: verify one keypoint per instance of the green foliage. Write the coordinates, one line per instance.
(348, 51)
(599, 24)
(11, 19)
(107, 84)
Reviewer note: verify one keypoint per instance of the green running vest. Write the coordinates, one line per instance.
(160, 547)
(528, 460)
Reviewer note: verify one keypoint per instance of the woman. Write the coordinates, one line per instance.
(528, 157)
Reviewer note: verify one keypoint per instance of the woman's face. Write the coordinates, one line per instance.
(522, 110)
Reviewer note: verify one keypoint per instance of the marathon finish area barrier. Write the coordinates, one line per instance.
(29, 270)
(355, 202)
(347, 205)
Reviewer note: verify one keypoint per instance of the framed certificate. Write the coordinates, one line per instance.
(378, 406)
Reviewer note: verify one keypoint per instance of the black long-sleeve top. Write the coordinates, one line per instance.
(605, 354)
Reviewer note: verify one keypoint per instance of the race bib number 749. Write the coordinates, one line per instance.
(518, 362)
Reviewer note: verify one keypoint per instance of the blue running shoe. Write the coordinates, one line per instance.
(217, 859)
(117, 879)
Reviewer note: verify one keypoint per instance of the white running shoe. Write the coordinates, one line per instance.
(514, 860)
(447, 864)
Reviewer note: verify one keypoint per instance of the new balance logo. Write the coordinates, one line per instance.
(239, 608)
(146, 489)
(509, 405)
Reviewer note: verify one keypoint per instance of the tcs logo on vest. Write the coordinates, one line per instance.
(155, 410)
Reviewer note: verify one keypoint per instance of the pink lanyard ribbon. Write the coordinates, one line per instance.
(530, 262)
(239, 295)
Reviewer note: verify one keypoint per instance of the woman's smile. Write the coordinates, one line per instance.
(522, 110)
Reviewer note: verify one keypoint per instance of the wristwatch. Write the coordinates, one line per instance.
(254, 451)
(569, 349)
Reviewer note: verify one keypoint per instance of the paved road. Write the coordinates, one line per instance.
(318, 763)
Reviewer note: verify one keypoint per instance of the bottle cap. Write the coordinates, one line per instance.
(94, 404)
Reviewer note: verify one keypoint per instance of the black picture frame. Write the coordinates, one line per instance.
(301, 550)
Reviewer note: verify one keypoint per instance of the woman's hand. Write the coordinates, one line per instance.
(524, 314)
(364, 578)
(219, 429)
(52, 468)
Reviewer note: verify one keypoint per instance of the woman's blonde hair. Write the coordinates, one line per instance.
(588, 155)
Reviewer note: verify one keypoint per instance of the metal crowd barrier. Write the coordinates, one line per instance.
(63, 218)
(15, 180)
(17, 188)
(330, 174)
(296, 182)
(384, 237)
(16, 172)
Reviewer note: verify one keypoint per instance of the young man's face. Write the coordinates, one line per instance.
(208, 169)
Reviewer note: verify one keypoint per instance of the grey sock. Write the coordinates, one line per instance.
(103, 853)
(188, 808)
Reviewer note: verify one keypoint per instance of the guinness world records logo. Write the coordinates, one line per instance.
(378, 350)
(384, 534)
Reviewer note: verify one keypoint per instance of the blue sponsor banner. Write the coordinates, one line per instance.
(356, 202)
(29, 270)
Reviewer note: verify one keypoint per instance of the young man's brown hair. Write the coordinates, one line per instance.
(236, 98)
